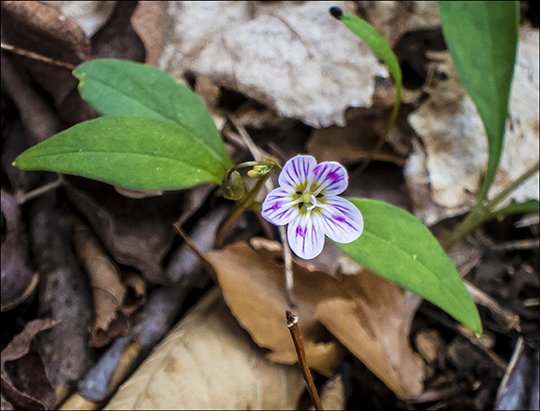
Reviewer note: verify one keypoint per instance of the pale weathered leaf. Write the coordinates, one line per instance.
(454, 160)
(209, 362)
(295, 58)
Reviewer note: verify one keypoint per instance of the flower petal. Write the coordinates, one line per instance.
(331, 176)
(296, 171)
(305, 236)
(277, 208)
(342, 221)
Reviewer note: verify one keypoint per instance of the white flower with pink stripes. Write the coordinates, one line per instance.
(307, 200)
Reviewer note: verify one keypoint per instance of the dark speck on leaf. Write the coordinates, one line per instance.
(336, 12)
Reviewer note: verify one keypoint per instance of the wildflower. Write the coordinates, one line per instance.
(308, 201)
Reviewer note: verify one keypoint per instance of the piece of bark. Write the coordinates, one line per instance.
(162, 308)
(63, 295)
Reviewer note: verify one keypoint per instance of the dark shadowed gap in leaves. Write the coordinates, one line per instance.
(411, 51)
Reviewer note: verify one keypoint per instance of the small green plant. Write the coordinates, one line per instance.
(155, 134)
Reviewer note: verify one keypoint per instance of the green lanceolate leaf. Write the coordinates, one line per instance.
(482, 38)
(371, 36)
(398, 247)
(124, 88)
(134, 152)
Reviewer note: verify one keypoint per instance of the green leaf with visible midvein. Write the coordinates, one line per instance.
(134, 152)
(398, 247)
(123, 88)
(482, 38)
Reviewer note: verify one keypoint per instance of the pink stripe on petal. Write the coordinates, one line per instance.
(343, 222)
(277, 209)
(305, 237)
(332, 176)
(297, 171)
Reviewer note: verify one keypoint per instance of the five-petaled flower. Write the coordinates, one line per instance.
(308, 201)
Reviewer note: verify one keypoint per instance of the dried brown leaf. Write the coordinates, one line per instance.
(209, 362)
(136, 232)
(42, 29)
(25, 384)
(253, 287)
(349, 144)
(365, 312)
(107, 287)
(149, 22)
(373, 323)
(18, 281)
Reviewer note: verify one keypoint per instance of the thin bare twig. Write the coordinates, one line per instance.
(22, 198)
(287, 254)
(292, 325)
(195, 249)
(517, 351)
(504, 316)
(36, 56)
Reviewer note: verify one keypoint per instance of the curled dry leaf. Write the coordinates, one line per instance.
(49, 33)
(365, 312)
(107, 287)
(209, 362)
(443, 177)
(18, 281)
(292, 57)
(25, 384)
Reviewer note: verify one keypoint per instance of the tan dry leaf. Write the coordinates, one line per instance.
(373, 323)
(333, 394)
(135, 292)
(365, 312)
(293, 57)
(149, 21)
(107, 287)
(253, 287)
(209, 362)
(349, 144)
(444, 177)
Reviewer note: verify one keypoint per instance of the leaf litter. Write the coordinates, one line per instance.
(347, 316)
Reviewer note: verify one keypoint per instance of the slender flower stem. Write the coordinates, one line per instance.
(292, 325)
(512, 186)
(238, 210)
(287, 254)
(481, 212)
